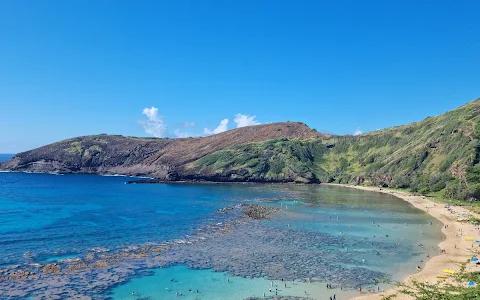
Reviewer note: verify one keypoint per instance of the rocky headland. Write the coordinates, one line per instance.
(438, 154)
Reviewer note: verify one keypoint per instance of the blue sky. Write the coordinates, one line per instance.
(70, 68)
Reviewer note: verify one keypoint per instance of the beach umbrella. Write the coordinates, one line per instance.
(471, 283)
(474, 259)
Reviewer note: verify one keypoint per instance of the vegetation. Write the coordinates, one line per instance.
(274, 160)
(439, 155)
(456, 289)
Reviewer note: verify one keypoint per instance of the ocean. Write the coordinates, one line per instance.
(172, 238)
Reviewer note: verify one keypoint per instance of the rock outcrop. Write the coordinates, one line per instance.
(164, 159)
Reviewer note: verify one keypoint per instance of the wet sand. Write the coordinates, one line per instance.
(457, 249)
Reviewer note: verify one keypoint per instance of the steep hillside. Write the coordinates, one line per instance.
(437, 155)
(424, 156)
(160, 158)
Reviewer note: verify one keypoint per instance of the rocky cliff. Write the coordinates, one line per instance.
(152, 157)
(439, 155)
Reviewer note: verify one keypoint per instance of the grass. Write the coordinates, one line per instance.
(437, 157)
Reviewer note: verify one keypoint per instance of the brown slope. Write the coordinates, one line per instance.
(181, 151)
(160, 158)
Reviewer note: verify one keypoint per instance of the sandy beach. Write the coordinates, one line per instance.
(457, 248)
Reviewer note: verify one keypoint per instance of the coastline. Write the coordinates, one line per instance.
(433, 266)
(457, 249)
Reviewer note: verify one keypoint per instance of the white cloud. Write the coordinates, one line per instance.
(180, 134)
(220, 128)
(357, 131)
(154, 124)
(245, 120)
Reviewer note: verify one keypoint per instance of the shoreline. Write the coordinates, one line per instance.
(457, 249)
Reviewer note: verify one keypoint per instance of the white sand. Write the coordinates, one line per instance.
(457, 249)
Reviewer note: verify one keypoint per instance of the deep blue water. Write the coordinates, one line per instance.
(59, 215)
(49, 217)
(5, 157)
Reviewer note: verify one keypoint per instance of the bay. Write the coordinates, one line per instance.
(46, 218)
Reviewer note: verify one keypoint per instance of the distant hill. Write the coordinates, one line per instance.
(437, 155)
(159, 158)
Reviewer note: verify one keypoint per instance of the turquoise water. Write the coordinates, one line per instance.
(46, 218)
(213, 286)
(48, 215)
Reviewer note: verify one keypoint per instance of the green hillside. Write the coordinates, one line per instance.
(437, 155)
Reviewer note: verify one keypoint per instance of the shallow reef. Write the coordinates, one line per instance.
(242, 246)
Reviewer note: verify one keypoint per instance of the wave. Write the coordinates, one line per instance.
(122, 175)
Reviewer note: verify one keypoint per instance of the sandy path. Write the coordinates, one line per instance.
(457, 249)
